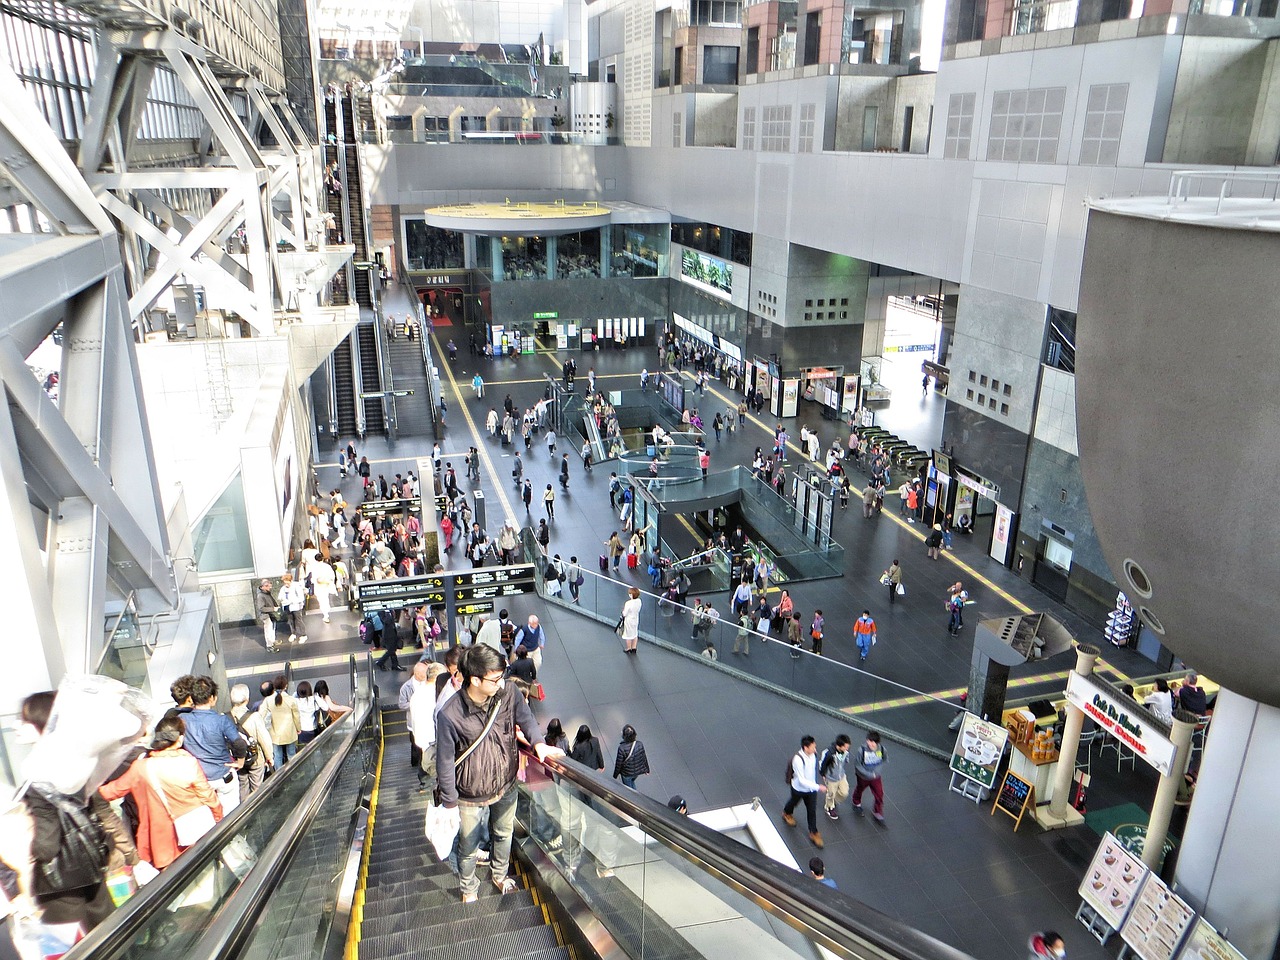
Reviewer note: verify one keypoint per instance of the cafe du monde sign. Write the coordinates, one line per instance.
(1127, 723)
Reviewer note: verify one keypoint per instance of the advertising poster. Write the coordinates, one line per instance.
(1205, 943)
(713, 275)
(1111, 882)
(1157, 921)
(978, 748)
(1001, 534)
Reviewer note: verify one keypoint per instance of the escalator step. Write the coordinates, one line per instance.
(440, 913)
(425, 944)
(461, 925)
(399, 874)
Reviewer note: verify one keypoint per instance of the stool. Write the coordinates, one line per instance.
(1086, 741)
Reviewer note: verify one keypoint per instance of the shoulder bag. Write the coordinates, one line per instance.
(441, 824)
(189, 827)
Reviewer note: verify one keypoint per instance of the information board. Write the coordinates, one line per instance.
(483, 576)
(1206, 943)
(978, 749)
(1112, 880)
(482, 583)
(1157, 922)
(1014, 797)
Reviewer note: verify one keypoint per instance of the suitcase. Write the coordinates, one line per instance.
(633, 561)
(604, 564)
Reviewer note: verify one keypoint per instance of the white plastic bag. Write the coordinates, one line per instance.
(902, 591)
(442, 828)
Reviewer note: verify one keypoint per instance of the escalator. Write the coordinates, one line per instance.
(409, 372)
(329, 861)
(409, 905)
(344, 390)
(355, 200)
(375, 423)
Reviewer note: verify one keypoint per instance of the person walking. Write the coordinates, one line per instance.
(549, 503)
(802, 778)
(704, 461)
(477, 757)
(893, 579)
(629, 621)
(742, 638)
(868, 764)
(293, 598)
(631, 761)
(933, 543)
(793, 634)
(831, 765)
(551, 443)
(575, 578)
(526, 494)
(815, 631)
(564, 471)
(615, 549)
(868, 501)
(864, 634)
(955, 608)
(477, 384)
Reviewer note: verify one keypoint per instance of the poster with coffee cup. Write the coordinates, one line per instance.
(1112, 881)
(1206, 943)
(978, 749)
(1156, 924)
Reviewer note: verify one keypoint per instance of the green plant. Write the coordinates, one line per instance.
(609, 120)
(557, 120)
(556, 59)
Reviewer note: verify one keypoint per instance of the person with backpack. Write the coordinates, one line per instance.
(802, 778)
(868, 764)
(254, 730)
(831, 766)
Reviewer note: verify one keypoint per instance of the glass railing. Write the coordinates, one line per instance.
(184, 910)
(664, 885)
(870, 701)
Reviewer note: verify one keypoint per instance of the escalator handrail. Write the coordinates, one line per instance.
(226, 935)
(837, 921)
(124, 924)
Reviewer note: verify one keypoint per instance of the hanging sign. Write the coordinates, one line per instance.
(1124, 721)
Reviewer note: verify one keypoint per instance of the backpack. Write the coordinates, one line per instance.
(81, 860)
(790, 770)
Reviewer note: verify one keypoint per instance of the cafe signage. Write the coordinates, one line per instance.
(1123, 720)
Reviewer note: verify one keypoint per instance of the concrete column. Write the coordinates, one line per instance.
(1086, 657)
(606, 250)
(1224, 867)
(1184, 725)
(553, 246)
(495, 255)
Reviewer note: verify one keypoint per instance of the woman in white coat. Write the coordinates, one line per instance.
(631, 621)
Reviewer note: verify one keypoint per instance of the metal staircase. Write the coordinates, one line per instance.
(371, 378)
(408, 372)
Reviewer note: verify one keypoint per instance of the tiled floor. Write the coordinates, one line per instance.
(941, 863)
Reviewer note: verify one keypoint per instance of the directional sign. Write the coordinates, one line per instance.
(402, 393)
(497, 590)
(487, 575)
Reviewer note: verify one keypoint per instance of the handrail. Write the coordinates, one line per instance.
(127, 922)
(838, 922)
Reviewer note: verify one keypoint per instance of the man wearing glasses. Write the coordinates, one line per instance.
(487, 711)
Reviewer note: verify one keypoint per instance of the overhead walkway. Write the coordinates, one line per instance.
(329, 861)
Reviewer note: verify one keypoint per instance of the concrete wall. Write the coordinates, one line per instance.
(1216, 99)
(998, 338)
(715, 121)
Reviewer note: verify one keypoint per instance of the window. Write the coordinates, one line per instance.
(808, 121)
(1025, 125)
(1008, 390)
(1060, 348)
(908, 121)
(812, 38)
(973, 376)
(720, 65)
(1004, 409)
(1103, 122)
(717, 12)
(983, 380)
(775, 129)
(748, 128)
(753, 50)
(870, 116)
(995, 384)
(968, 394)
(677, 122)
(959, 126)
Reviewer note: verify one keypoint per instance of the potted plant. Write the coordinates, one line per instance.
(608, 120)
(557, 120)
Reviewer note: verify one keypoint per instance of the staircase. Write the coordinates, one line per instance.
(410, 906)
(344, 389)
(370, 378)
(413, 414)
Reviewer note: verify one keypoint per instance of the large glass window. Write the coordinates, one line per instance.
(639, 249)
(720, 65)
(430, 248)
(578, 255)
(726, 12)
(221, 538)
(720, 242)
(524, 258)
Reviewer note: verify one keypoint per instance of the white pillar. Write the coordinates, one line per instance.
(1184, 725)
(1086, 657)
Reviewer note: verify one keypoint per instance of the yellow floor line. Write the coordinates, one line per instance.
(908, 527)
(599, 376)
(352, 951)
(483, 448)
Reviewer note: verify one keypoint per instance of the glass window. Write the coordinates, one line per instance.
(808, 122)
(221, 537)
(640, 249)
(749, 128)
(430, 248)
(720, 65)
(524, 258)
(578, 255)
(960, 125)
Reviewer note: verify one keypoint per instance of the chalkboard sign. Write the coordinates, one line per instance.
(1014, 797)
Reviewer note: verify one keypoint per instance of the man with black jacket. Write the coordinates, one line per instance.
(485, 713)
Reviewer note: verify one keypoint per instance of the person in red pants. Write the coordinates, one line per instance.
(868, 763)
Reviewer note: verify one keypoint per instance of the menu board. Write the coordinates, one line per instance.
(1206, 943)
(1014, 797)
(978, 749)
(1112, 881)
(1157, 921)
